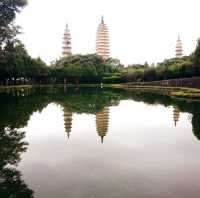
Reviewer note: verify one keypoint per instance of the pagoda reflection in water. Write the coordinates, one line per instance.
(67, 121)
(102, 122)
(176, 115)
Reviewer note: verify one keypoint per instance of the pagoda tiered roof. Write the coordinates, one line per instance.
(102, 41)
(66, 43)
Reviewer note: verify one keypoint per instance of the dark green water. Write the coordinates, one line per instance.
(98, 143)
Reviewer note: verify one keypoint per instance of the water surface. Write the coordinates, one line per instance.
(98, 143)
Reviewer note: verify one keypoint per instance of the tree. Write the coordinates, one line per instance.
(8, 11)
(10, 58)
(149, 74)
(196, 58)
(75, 72)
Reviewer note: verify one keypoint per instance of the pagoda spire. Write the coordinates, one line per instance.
(102, 19)
(102, 137)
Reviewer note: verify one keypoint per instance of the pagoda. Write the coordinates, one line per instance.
(176, 115)
(102, 122)
(67, 121)
(102, 40)
(179, 50)
(66, 43)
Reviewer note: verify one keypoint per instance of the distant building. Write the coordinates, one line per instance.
(176, 115)
(102, 40)
(67, 121)
(67, 49)
(102, 122)
(179, 48)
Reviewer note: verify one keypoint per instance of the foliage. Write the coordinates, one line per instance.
(8, 11)
(196, 58)
(12, 185)
(168, 69)
(15, 63)
(84, 68)
(11, 148)
(18, 65)
(112, 79)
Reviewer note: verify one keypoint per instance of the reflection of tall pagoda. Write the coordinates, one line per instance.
(179, 50)
(176, 115)
(66, 43)
(67, 121)
(102, 41)
(102, 122)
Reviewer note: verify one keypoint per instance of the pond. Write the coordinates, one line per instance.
(98, 143)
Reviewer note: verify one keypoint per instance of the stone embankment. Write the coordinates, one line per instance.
(181, 88)
(182, 82)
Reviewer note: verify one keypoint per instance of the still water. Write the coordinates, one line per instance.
(98, 143)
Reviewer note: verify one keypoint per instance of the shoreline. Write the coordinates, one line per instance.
(178, 92)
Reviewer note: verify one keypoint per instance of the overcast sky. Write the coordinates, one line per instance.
(140, 30)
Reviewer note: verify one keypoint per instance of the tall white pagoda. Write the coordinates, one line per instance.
(67, 49)
(102, 40)
(179, 48)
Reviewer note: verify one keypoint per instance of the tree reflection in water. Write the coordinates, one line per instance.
(196, 123)
(11, 148)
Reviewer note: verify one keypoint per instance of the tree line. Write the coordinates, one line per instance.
(185, 67)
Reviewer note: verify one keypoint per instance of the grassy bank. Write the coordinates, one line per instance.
(179, 92)
(14, 87)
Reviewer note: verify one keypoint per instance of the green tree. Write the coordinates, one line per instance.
(11, 49)
(8, 11)
(196, 58)
(149, 74)
(17, 60)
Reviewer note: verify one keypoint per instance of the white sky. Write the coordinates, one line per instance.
(140, 30)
